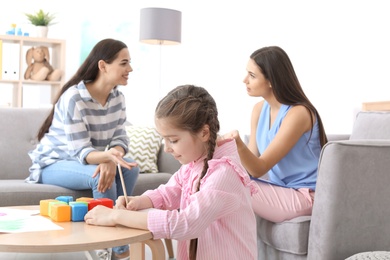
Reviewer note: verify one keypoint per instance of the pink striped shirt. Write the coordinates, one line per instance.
(219, 214)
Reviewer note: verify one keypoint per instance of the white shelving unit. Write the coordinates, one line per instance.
(14, 49)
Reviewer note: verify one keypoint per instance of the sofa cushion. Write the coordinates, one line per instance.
(18, 131)
(150, 181)
(371, 125)
(289, 236)
(144, 146)
(20, 193)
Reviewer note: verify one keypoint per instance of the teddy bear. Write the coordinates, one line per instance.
(38, 66)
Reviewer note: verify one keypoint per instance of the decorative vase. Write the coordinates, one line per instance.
(41, 31)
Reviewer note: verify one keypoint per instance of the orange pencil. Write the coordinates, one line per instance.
(123, 183)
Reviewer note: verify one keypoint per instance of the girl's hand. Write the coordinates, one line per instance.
(134, 203)
(100, 216)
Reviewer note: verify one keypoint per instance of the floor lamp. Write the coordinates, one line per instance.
(160, 26)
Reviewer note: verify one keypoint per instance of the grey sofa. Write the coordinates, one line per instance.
(18, 130)
(352, 201)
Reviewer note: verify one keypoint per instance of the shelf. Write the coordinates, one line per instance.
(30, 40)
(32, 82)
(15, 63)
(376, 106)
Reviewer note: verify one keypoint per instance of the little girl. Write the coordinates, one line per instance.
(206, 205)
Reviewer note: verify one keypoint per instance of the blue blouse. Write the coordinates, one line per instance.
(298, 169)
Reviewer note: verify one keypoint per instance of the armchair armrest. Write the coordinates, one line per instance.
(352, 201)
(337, 137)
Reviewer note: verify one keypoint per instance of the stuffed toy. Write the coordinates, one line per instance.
(38, 66)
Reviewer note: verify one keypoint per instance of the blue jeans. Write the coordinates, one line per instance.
(76, 176)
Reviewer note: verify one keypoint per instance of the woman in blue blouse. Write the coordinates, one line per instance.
(286, 138)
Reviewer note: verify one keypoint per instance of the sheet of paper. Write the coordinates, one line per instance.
(18, 220)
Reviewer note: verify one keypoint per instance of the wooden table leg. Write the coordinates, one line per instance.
(137, 251)
(168, 245)
(157, 248)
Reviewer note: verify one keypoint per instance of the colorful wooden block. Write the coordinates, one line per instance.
(93, 203)
(84, 199)
(51, 203)
(109, 203)
(44, 206)
(78, 202)
(79, 209)
(60, 212)
(66, 199)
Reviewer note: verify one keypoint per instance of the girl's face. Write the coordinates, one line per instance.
(256, 84)
(118, 71)
(183, 145)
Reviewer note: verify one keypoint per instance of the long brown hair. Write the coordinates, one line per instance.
(276, 67)
(189, 108)
(106, 50)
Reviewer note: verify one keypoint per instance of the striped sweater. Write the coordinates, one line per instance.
(80, 125)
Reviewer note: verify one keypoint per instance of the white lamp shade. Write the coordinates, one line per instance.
(160, 26)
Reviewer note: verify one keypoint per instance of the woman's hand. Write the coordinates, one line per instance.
(232, 135)
(100, 216)
(107, 169)
(117, 157)
(107, 172)
(226, 137)
(114, 154)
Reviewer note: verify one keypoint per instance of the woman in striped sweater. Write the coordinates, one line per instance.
(83, 140)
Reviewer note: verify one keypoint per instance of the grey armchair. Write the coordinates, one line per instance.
(352, 201)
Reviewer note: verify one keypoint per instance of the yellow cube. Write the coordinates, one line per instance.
(51, 203)
(44, 206)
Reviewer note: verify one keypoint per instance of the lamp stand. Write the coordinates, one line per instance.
(160, 70)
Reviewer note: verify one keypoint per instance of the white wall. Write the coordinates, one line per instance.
(339, 48)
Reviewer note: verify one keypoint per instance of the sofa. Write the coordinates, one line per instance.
(351, 204)
(18, 130)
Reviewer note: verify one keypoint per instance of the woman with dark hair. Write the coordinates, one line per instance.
(83, 140)
(286, 138)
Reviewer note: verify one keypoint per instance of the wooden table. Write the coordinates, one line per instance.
(79, 236)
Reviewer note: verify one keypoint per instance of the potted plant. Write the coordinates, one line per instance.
(41, 20)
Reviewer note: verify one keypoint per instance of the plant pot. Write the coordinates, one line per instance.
(41, 31)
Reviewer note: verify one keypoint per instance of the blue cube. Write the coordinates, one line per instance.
(66, 199)
(79, 209)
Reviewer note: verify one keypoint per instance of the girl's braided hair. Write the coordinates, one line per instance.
(189, 108)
